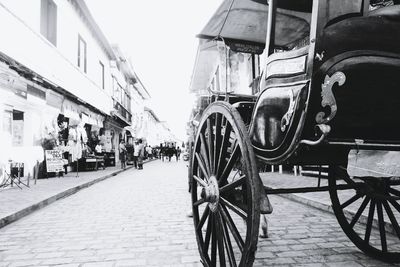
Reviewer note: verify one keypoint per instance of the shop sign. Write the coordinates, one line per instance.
(54, 161)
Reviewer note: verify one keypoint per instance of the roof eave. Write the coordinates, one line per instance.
(95, 27)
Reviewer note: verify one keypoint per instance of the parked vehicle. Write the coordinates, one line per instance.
(330, 86)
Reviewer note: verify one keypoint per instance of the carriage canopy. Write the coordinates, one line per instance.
(242, 24)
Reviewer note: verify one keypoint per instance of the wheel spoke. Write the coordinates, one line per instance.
(201, 165)
(200, 181)
(204, 153)
(392, 218)
(394, 192)
(232, 207)
(227, 242)
(210, 226)
(199, 202)
(381, 222)
(210, 145)
(225, 141)
(228, 168)
(360, 211)
(214, 245)
(233, 185)
(220, 242)
(369, 222)
(218, 118)
(203, 218)
(236, 235)
(395, 205)
(345, 176)
(350, 201)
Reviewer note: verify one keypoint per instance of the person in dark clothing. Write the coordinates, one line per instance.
(122, 154)
(140, 154)
(178, 153)
(171, 151)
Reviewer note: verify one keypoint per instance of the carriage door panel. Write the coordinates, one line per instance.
(274, 114)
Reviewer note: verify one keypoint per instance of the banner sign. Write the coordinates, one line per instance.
(54, 161)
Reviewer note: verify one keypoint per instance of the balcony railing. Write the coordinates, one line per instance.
(122, 112)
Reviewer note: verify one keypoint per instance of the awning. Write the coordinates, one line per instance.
(241, 23)
(71, 110)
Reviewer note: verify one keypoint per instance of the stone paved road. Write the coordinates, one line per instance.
(138, 219)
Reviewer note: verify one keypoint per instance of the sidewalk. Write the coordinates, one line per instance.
(16, 203)
(319, 200)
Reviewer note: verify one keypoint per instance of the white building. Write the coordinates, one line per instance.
(56, 64)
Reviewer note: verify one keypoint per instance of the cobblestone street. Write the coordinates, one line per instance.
(138, 218)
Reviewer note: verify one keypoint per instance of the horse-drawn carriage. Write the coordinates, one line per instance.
(330, 88)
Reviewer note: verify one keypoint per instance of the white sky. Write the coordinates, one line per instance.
(159, 36)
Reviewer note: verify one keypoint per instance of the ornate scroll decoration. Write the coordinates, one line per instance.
(328, 99)
(288, 115)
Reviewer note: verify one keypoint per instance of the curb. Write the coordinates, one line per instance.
(43, 203)
(309, 202)
(328, 208)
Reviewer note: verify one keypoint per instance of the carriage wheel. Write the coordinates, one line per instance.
(370, 214)
(225, 191)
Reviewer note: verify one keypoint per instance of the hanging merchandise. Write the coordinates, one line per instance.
(108, 141)
(74, 143)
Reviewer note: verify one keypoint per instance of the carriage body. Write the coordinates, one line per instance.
(345, 78)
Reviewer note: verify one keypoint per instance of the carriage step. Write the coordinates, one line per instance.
(315, 174)
(314, 171)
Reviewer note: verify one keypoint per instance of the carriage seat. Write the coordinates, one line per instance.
(391, 12)
(378, 31)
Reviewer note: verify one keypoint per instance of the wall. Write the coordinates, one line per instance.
(57, 64)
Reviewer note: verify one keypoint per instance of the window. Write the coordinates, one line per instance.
(48, 20)
(7, 122)
(128, 102)
(117, 94)
(101, 74)
(82, 54)
(292, 29)
(13, 126)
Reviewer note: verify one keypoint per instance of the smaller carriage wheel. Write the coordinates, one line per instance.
(369, 213)
(225, 189)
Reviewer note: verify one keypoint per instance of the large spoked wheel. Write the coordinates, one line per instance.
(225, 191)
(369, 213)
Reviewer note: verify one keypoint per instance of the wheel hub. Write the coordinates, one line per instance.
(210, 193)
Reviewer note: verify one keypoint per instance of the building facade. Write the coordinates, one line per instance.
(61, 82)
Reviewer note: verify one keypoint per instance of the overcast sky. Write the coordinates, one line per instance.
(159, 36)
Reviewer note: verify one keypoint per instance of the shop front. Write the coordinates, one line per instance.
(27, 114)
(80, 133)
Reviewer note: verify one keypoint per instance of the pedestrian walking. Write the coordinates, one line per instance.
(135, 154)
(140, 154)
(162, 152)
(149, 151)
(122, 154)
(178, 153)
(170, 152)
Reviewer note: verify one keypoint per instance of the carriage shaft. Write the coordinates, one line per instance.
(276, 191)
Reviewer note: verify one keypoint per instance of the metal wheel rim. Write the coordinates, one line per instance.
(224, 110)
(380, 214)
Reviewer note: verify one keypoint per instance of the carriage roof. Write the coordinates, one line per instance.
(242, 24)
